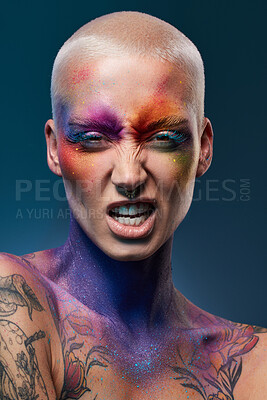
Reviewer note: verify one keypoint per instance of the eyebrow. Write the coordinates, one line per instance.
(113, 127)
(106, 126)
(170, 122)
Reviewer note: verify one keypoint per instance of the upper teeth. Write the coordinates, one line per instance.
(132, 209)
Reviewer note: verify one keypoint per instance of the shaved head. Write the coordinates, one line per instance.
(127, 33)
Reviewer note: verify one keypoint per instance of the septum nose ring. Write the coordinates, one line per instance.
(131, 194)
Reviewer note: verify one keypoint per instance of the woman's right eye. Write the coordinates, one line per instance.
(91, 137)
(87, 139)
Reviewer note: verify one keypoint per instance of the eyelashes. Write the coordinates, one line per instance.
(173, 137)
(163, 140)
(81, 136)
(177, 136)
(93, 141)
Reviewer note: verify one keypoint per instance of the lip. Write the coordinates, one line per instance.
(128, 231)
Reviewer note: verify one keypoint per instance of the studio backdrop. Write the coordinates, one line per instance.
(219, 249)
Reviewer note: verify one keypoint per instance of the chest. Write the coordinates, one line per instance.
(93, 368)
(92, 361)
(88, 363)
(97, 376)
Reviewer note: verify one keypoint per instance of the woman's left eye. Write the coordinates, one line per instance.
(169, 139)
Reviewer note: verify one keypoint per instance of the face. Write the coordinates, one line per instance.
(127, 124)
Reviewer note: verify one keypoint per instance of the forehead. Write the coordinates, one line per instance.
(134, 87)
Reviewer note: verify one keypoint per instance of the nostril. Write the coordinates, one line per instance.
(131, 193)
(128, 175)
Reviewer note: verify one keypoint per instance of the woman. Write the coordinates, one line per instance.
(99, 317)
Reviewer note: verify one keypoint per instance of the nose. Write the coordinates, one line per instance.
(128, 174)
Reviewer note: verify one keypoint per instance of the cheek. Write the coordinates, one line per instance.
(80, 171)
(178, 166)
(74, 164)
(175, 178)
(183, 164)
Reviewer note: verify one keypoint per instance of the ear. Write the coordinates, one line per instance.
(52, 149)
(206, 148)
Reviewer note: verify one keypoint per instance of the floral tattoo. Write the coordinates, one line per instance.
(212, 364)
(17, 353)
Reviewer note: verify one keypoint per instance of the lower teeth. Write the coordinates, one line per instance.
(131, 221)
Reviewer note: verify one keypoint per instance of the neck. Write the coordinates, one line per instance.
(137, 294)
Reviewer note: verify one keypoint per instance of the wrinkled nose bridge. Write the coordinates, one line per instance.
(128, 171)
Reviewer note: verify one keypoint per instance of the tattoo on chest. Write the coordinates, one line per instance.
(74, 331)
(208, 360)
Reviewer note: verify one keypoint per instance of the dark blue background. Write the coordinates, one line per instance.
(218, 255)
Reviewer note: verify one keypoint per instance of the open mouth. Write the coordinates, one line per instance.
(132, 214)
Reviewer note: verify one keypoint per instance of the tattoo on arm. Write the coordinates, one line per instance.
(15, 292)
(20, 378)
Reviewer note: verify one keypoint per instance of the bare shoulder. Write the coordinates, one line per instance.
(254, 376)
(24, 332)
(241, 340)
(246, 361)
(18, 274)
(230, 357)
(11, 261)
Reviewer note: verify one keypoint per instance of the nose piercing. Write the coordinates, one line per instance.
(131, 194)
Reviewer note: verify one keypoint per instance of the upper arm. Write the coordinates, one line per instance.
(24, 348)
(258, 370)
(253, 381)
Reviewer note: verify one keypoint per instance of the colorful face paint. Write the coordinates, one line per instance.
(124, 128)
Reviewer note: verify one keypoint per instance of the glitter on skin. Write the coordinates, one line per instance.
(138, 358)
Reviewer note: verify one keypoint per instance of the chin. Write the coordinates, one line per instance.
(128, 251)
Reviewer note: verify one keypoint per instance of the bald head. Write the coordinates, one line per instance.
(130, 33)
